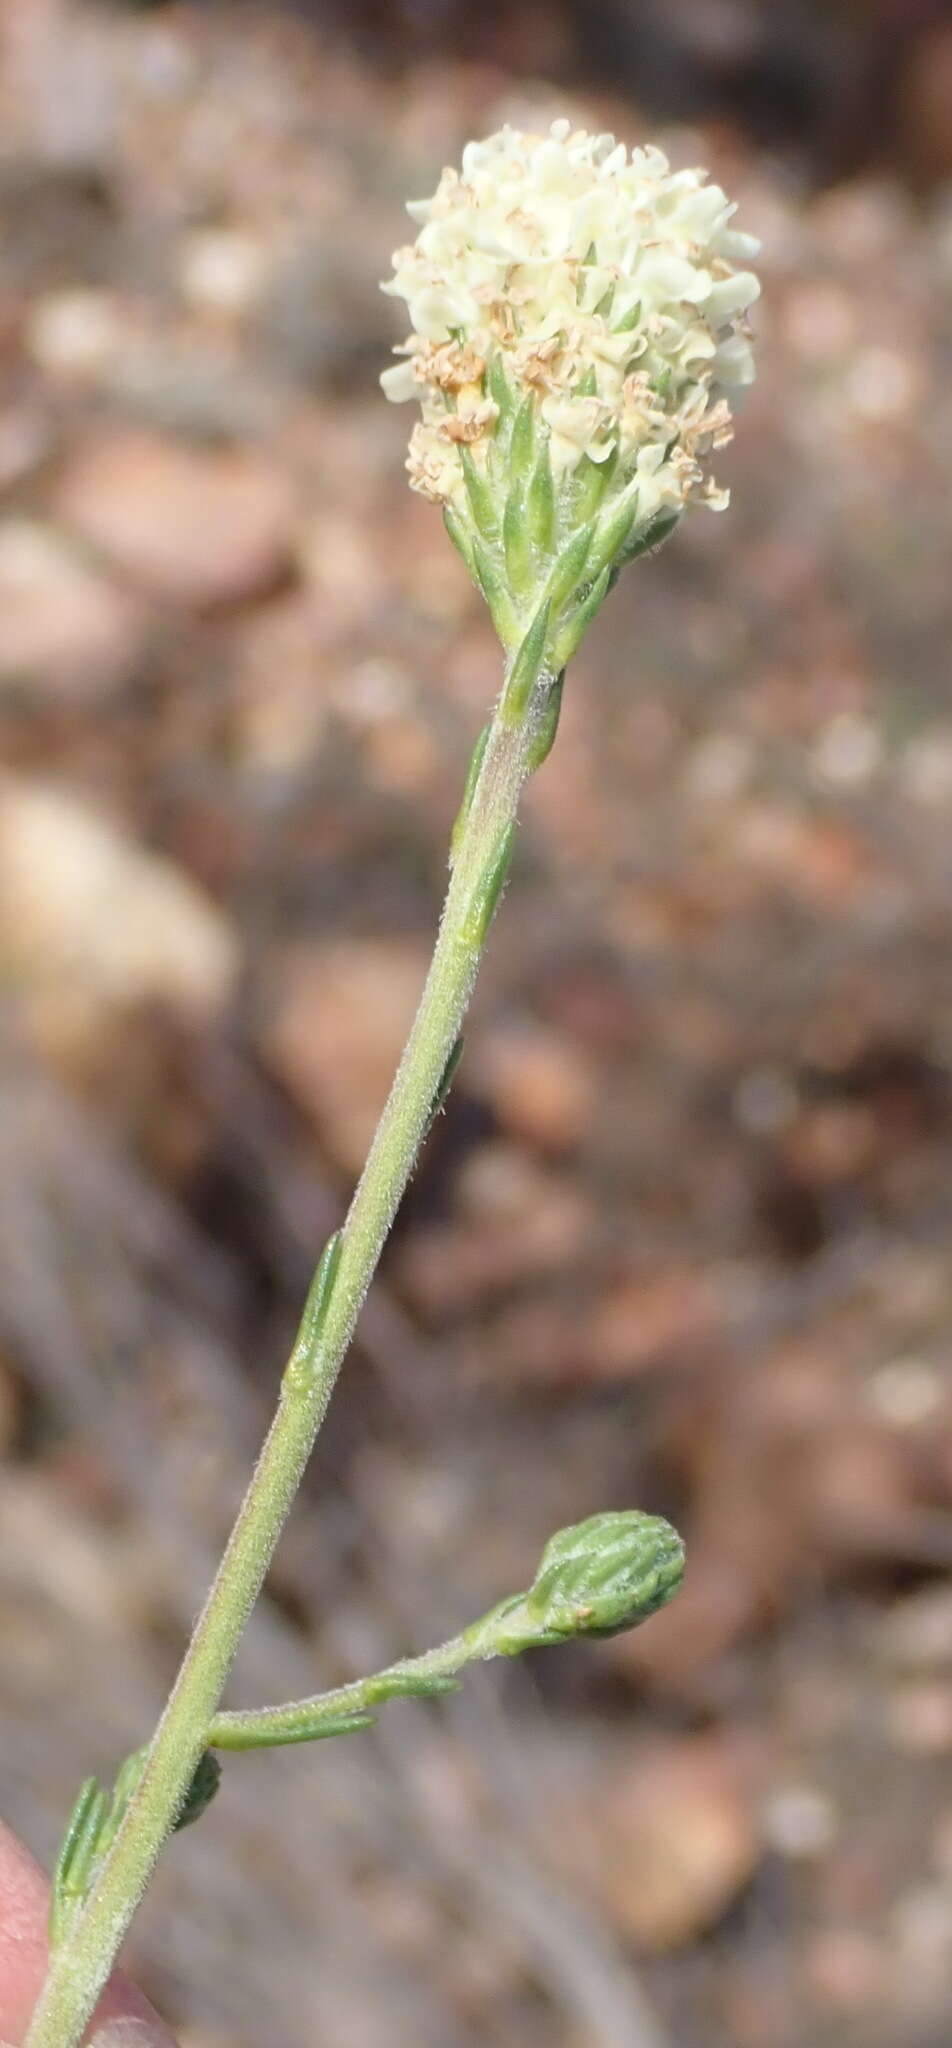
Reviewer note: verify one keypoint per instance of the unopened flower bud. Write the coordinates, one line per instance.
(596, 1578)
(605, 1575)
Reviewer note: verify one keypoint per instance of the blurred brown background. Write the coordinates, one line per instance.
(682, 1239)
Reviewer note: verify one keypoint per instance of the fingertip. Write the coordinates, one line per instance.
(123, 2018)
(23, 1948)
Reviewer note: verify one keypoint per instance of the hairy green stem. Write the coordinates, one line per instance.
(81, 1965)
(348, 1706)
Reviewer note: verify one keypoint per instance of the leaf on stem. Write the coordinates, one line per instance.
(482, 504)
(446, 1078)
(571, 635)
(95, 1822)
(460, 537)
(485, 897)
(540, 502)
(276, 1727)
(529, 664)
(299, 1370)
(522, 442)
(570, 567)
(544, 739)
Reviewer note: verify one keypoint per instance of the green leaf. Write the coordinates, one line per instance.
(522, 443)
(486, 895)
(500, 389)
(460, 537)
(544, 738)
(472, 777)
(409, 1685)
(95, 1822)
(579, 621)
(589, 485)
(76, 1856)
(517, 545)
(201, 1791)
(482, 503)
(126, 1779)
(540, 501)
(260, 1732)
(446, 1079)
(496, 593)
(299, 1371)
(527, 667)
(652, 536)
(569, 568)
(614, 530)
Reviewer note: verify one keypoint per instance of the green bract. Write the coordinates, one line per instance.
(544, 548)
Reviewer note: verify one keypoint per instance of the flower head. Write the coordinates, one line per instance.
(597, 1578)
(599, 284)
(606, 1574)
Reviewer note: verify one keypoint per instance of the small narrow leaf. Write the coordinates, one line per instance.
(500, 389)
(522, 444)
(581, 619)
(494, 590)
(652, 536)
(446, 1078)
(570, 567)
(95, 1822)
(516, 542)
(90, 1797)
(540, 501)
(201, 1791)
(304, 1724)
(589, 485)
(472, 777)
(76, 1857)
(480, 496)
(529, 664)
(299, 1371)
(460, 537)
(126, 1782)
(486, 895)
(409, 1685)
(614, 530)
(548, 726)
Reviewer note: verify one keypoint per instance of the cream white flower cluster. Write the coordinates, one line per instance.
(603, 283)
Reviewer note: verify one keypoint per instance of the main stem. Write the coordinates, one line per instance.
(82, 1964)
